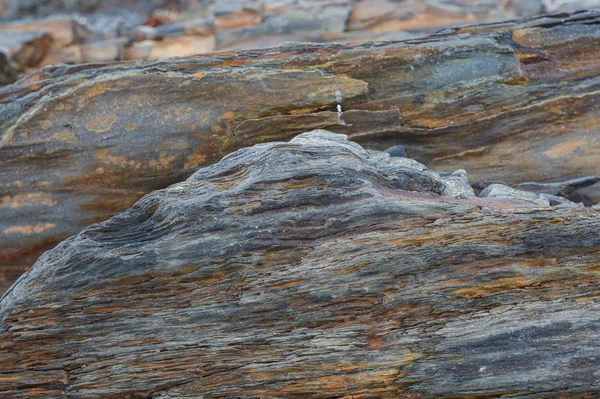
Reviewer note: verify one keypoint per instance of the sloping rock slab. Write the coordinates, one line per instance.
(312, 269)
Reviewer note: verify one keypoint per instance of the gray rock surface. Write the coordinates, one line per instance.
(312, 269)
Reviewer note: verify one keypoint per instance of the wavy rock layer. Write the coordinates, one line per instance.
(312, 269)
(510, 102)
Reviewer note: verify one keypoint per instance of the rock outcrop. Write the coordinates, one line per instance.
(317, 269)
(511, 102)
(95, 31)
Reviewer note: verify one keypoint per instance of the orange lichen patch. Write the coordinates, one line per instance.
(45, 124)
(198, 75)
(27, 229)
(100, 123)
(30, 199)
(564, 149)
(97, 90)
(129, 126)
(163, 162)
(66, 135)
(120, 161)
(194, 160)
(228, 115)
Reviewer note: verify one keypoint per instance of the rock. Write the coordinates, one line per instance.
(564, 188)
(397, 151)
(28, 9)
(579, 190)
(312, 268)
(592, 192)
(459, 183)
(7, 73)
(186, 27)
(59, 27)
(295, 22)
(21, 49)
(570, 5)
(501, 191)
(82, 143)
(430, 15)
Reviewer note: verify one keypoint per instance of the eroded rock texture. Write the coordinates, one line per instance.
(312, 269)
(95, 31)
(511, 102)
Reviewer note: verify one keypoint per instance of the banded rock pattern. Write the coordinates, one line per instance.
(312, 269)
(80, 144)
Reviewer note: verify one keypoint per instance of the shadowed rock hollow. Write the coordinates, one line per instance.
(313, 269)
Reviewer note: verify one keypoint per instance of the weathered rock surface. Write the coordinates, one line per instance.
(316, 269)
(99, 31)
(22, 48)
(510, 102)
(581, 190)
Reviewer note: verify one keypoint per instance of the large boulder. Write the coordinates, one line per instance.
(312, 269)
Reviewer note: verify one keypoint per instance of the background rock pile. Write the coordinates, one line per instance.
(35, 33)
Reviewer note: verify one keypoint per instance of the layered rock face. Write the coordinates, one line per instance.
(510, 102)
(317, 269)
(82, 31)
